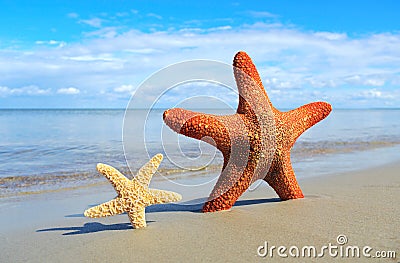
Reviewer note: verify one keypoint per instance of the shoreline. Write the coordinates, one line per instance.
(362, 205)
(316, 166)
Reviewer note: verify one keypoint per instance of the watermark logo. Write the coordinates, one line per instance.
(341, 239)
(340, 249)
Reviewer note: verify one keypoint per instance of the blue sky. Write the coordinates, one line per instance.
(94, 54)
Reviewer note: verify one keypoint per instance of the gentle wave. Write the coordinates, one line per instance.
(25, 185)
(40, 183)
(306, 149)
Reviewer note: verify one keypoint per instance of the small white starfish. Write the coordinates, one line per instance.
(133, 195)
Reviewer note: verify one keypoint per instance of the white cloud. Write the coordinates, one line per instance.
(122, 14)
(143, 51)
(51, 42)
(219, 28)
(331, 36)
(94, 22)
(103, 32)
(321, 83)
(154, 15)
(26, 90)
(374, 82)
(366, 80)
(287, 57)
(355, 79)
(373, 94)
(68, 91)
(125, 89)
(99, 57)
(261, 14)
(72, 15)
(4, 91)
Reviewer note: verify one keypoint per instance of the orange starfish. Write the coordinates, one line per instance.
(255, 142)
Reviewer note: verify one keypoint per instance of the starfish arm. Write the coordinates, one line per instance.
(305, 117)
(210, 128)
(250, 87)
(231, 184)
(282, 178)
(162, 196)
(145, 173)
(117, 179)
(137, 217)
(112, 207)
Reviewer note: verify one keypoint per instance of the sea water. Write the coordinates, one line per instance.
(45, 150)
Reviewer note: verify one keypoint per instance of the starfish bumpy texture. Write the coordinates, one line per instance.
(133, 195)
(255, 142)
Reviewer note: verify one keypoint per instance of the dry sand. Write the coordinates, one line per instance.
(362, 205)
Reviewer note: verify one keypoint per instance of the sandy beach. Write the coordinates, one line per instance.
(361, 205)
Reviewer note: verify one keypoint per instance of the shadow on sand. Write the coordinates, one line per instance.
(193, 206)
(89, 228)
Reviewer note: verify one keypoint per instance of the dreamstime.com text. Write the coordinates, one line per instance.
(340, 249)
